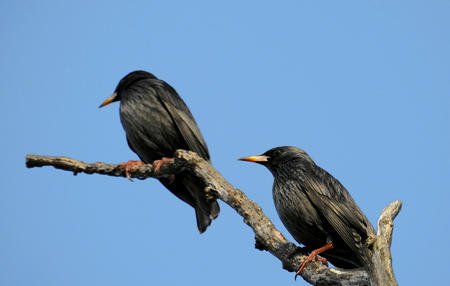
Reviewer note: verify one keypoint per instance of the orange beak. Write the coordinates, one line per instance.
(255, 159)
(109, 100)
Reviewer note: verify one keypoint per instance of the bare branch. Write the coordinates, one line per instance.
(385, 222)
(76, 166)
(381, 271)
(266, 235)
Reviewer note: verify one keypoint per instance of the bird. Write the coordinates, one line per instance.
(316, 209)
(157, 122)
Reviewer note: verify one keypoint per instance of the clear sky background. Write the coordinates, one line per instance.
(362, 86)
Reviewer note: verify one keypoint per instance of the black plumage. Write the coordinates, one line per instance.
(315, 207)
(157, 122)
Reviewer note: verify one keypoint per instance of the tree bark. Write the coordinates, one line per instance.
(267, 237)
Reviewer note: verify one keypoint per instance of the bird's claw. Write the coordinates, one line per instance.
(323, 260)
(128, 166)
(313, 256)
(158, 163)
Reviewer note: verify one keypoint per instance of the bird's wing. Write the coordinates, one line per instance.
(338, 207)
(183, 120)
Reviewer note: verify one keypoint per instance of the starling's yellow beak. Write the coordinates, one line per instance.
(109, 100)
(256, 159)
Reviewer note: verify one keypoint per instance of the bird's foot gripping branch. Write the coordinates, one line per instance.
(267, 236)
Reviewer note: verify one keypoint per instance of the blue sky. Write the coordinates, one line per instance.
(362, 86)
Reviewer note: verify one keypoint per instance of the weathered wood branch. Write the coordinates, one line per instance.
(266, 235)
(381, 272)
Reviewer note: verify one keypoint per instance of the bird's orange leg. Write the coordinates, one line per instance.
(128, 166)
(158, 163)
(313, 256)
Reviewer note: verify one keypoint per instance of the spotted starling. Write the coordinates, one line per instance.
(316, 208)
(157, 122)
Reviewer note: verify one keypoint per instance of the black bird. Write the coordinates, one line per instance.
(316, 209)
(157, 122)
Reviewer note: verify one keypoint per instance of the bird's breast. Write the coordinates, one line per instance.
(297, 213)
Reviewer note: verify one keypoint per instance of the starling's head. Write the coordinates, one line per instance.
(278, 156)
(124, 83)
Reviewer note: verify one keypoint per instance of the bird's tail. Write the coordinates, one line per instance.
(188, 190)
(206, 208)
(205, 216)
